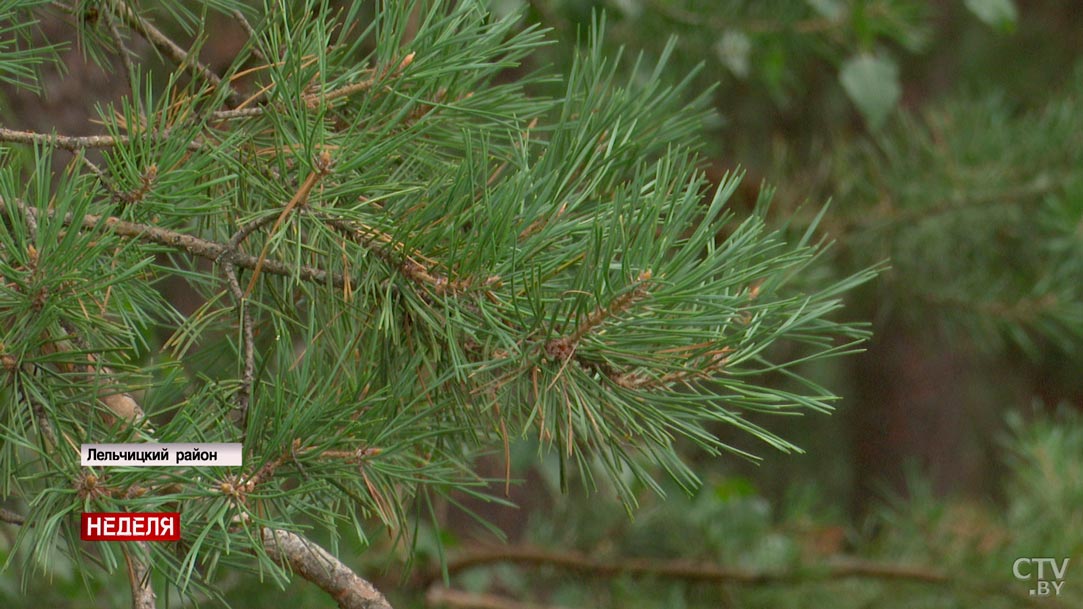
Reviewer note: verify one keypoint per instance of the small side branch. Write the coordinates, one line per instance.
(244, 394)
(143, 596)
(66, 142)
(580, 563)
(122, 50)
(459, 599)
(563, 348)
(321, 167)
(714, 362)
(246, 230)
(195, 246)
(318, 566)
(698, 571)
(411, 265)
(312, 100)
(11, 517)
(76, 143)
(248, 29)
(167, 47)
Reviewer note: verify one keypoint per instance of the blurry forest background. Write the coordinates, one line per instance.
(948, 136)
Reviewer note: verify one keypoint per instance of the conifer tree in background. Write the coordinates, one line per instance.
(407, 255)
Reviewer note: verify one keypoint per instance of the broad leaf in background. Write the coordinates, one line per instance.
(872, 82)
(830, 9)
(733, 49)
(1000, 14)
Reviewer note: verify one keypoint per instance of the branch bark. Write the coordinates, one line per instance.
(66, 142)
(74, 143)
(318, 566)
(143, 596)
(11, 517)
(580, 563)
(170, 49)
(203, 248)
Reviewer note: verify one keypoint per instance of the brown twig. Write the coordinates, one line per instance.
(246, 230)
(407, 262)
(143, 596)
(714, 361)
(168, 48)
(313, 99)
(244, 394)
(202, 248)
(11, 517)
(318, 566)
(580, 563)
(76, 143)
(563, 348)
(438, 596)
(321, 167)
(114, 192)
(61, 141)
(699, 571)
(122, 50)
(248, 29)
(225, 115)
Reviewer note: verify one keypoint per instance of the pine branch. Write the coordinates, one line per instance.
(321, 167)
(439, 596)
(318, 566)
(225, 115)
(11, 517)
(564, 347)
(122, 50)
(581, 563)
(45, 426)
(638, 380)
(411, 264)
(196, 246)
(1024, 310)
(66, 142)
(244, 394)
(699, 571)
(313, 100)
(246, 230)
(77, 143)
(143, 596)
(243, 21)
(167, 47)
(120, 403)
(10, 364)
